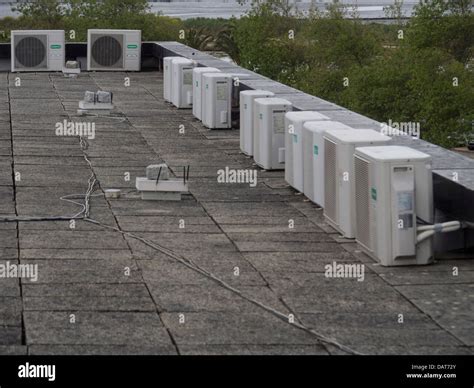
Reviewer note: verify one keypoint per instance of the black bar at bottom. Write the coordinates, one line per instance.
(291, 371)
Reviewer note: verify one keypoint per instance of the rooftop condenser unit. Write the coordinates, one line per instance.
(393, 189)
(182, 82)
(339, 195)
(37, 50)
(217, 98)
(294, 145)
(313, 157)
(198, 90)
(269, 124)
(247, 98)
(114, 50)
(167, 77)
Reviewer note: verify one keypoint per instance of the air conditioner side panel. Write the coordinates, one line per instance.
(345, 189)
(167, 78)
(133, 50)
(289, 138)
(257, 131)
(308, 166)
(424, 208)
(277, 137)
(56, 51)
(319, 168)
(330, 182)
(381, 228)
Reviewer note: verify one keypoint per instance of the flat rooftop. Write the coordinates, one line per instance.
(100, 291)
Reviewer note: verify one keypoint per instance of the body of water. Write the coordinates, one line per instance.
(186, 9)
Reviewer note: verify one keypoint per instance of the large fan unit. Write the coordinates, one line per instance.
(339, 196)
(37, 50)
(247, 98)
(269, 123)
(313, 157)
(198, 90)
(393, 189)
(114, 50)
(294, 145)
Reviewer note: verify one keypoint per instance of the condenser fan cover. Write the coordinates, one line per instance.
(30, 51)
(107, 51)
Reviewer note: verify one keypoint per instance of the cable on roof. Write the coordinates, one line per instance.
(93, 184)
(192, 265)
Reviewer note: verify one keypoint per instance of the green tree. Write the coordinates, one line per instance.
(447, 25)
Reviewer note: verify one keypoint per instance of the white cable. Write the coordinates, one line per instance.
(428, 231)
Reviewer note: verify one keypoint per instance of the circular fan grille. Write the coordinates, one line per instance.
(30, 52)
(106, 51)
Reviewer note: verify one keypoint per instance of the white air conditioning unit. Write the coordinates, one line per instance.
(37, 50)
(393, 189)
(269, 124)
(182, 82)
(198, 90)
(313, 157)
(294, 145)
(114, 50)
(339, 189)
(247, 98)
(217, 98)
(167, 77)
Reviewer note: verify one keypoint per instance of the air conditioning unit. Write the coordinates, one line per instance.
(313, 157)
(114, 50)
(182, 82)
(37, 50)
(339, 195)
(217, 98)
(269, 124)
(198, 90)
(247, 98)
(393, 189)
(167, 77)
(294, 145)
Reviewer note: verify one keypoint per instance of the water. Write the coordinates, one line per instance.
(186, 9)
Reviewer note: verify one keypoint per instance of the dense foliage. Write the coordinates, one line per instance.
(417, 70)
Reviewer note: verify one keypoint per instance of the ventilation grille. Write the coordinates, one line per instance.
(330, 178)
(31, 52)
(107, 51)
(362, 201)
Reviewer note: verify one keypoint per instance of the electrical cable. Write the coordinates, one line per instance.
(190, 264)
(93, 184)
